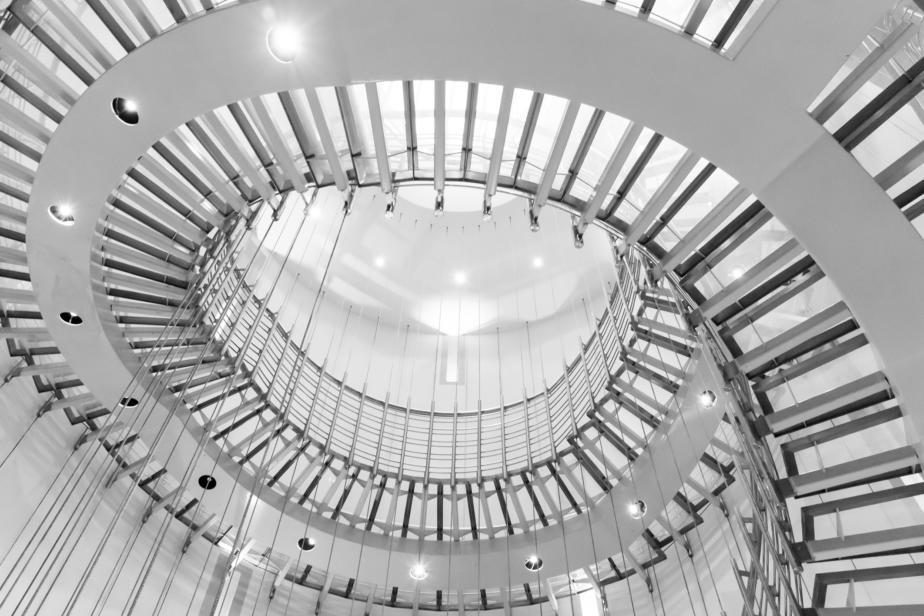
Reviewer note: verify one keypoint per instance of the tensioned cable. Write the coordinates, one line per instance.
(654, 469)
(683, 487)
(224, 394)
(203, 353)
(177, 401)
(302, 360)
(178, 558)
(89, 452)
(133, 598)
(624, 548)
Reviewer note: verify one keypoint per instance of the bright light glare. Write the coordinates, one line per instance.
(379, 262)
(637, 509)
(460, 278)
(130, 105)
(418, 572)
(707, 398)
(537, 262)
(737, 273)
(284, 42)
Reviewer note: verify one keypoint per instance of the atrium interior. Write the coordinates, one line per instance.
(513, 307)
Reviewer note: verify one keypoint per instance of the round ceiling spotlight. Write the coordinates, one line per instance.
(638, 509)
(707, 398)
(533, 563)
(128, 403)
(379, 262)
(71, 318)
(284, 43)
(62, 214)
(207, 482)
(306, 544)
(418, 572)
(126, 110)
(460, 278)
(537, 262)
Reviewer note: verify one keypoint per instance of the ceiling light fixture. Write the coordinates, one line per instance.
(460, 278)
(207, 482)
(438, 205)
(533, 563)
(418, 572)
(283, 42)
(306, 544)
(126, 110)
(707, 398)
(128, 403)
(537, 262)
(71, 318)
(62, 214)
(637, 509)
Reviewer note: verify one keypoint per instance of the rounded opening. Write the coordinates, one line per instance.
(638, 509)
(207, 482)
(283, 42)
(418, 572)
(129, 402)
(126, 110)
(707, 398)
(70, 318)
(306, 543)
(62, 214)
(533, 563)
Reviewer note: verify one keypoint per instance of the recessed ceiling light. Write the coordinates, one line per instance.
(707, 398)
(62, 214)
(207, 482)
(418, 572)
(306, 543)
(71, 318)
(538, 262)
(460, 278)
(379, 262)
(533, 563)
(126, 110)
(129, 403)
(283, 42)
(637, 509)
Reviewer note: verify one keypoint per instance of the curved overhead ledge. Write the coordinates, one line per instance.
(766, 140)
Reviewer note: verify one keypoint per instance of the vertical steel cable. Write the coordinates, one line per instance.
(91, 450)
(134, 595)
(179, 398)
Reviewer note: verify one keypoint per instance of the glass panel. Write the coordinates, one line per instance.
(487, 108)
(547, 124)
